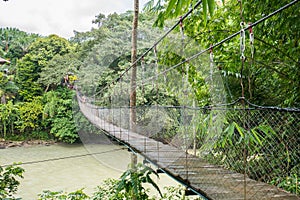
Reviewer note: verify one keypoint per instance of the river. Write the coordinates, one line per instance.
(70, 167)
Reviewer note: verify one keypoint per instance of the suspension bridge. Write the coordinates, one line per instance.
(198, 175)
(240, 154)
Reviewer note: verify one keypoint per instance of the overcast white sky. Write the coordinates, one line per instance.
(59, 17)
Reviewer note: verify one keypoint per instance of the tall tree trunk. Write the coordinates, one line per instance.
(133, 81)
(134, 66)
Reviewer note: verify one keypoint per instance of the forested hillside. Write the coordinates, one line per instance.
(35, 103)
(37, 85)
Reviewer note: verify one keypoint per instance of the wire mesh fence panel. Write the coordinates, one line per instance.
(262, 143)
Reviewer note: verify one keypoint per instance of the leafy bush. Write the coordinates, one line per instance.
(77, 195)
(132, 180)
(64, 129)
(58, 115)
(107, 191)
(8, 116)
(30, 114)
(8, 181)
(290, 183)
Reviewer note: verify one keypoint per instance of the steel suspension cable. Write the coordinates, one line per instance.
(65, 157)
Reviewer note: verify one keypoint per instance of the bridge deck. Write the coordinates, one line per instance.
(211, 181)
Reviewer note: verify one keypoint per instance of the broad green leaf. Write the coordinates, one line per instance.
(149, 180)
(239, 129)
(228, 137)
(179, 7)
(231, 129)
(256, 136)
(159, 22)
(149, 5)
(267, 130)
(204, 4)
(211, 6)
(171, 6)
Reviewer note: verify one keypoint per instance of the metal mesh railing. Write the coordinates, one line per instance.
(261, 142)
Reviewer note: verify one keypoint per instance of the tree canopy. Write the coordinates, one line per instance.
(270, 74)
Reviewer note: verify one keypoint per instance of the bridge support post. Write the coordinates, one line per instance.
(133, 160)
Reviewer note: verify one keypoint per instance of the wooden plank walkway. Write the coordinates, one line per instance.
(211, 181)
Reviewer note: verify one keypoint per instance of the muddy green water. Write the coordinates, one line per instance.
(69, 167)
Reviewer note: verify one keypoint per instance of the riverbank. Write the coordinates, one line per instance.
(4, 144)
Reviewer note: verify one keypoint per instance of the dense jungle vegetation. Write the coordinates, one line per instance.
(34, 104)
(37, 103)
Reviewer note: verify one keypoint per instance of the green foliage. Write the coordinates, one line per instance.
(111, 55)
(107, 191)
(15, 43)
(132, 180)
(256, 136)
(64, 129)
(8, 117)
(167, 9)
(9, 182)
(32, 64)
(8, 88)
(47, 48)
(268, 75)
(170, 56)
(289, 183)
(26, 77)
(77, 195)
(3, 82)
(111, 189)
(58, 114)
(37, 65)
(58, 67)
(30, 114)
(174, 193)
(269, 78)
(37, 119)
